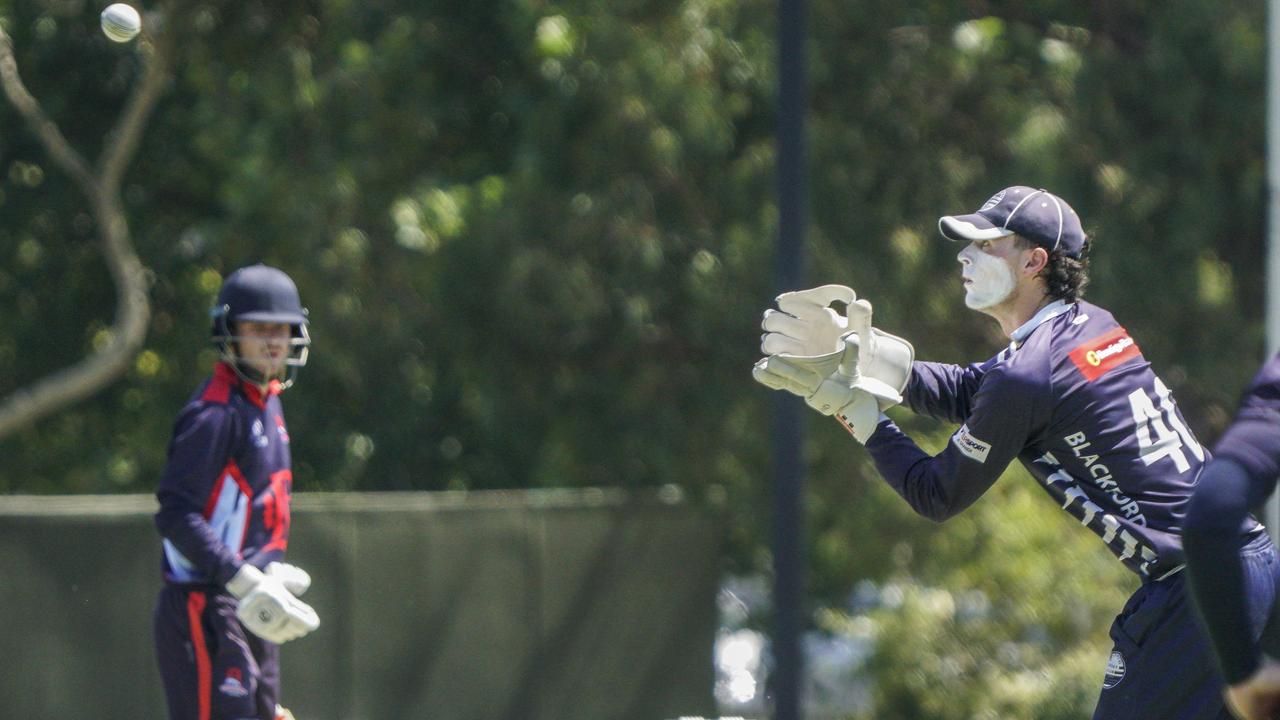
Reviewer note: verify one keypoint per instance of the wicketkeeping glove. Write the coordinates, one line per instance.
(804, 323)
(856, 383)
(267, 609)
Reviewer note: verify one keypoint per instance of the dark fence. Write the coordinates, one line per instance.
(534, 605)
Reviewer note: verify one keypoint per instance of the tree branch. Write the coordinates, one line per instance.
(133, 307)
(45, 129)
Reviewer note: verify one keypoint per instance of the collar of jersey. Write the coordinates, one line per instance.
(227, 374)
(1046, 313)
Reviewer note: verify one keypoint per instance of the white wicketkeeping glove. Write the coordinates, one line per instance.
(295, 579)
(856, 383)
(267, 609)
(805, 324)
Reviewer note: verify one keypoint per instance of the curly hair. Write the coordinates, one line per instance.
(1065, 277)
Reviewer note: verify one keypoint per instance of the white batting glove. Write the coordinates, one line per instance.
(295, 579)
(267, 609)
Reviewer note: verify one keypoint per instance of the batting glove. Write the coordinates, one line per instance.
(295, 579)
(267, 609)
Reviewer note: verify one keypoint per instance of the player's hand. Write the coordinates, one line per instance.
(805, 323)
(295, 579)
(267, 609)
(1257, 697)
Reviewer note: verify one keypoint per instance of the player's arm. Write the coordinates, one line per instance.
(942, 390)
(1241, 476)
(204, 439)
(940, 486)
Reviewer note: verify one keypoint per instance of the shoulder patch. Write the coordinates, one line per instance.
(1096, 356)
(972, 447)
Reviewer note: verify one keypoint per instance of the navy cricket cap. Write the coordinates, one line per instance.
(1037, 215)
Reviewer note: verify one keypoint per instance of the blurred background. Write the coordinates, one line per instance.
(536, 238)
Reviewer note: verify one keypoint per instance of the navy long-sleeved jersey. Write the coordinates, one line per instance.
(1074, 399)
(224, 495)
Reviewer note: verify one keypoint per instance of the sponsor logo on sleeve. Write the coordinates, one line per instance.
(1097, 356)
(972, 447)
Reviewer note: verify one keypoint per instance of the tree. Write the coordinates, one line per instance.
(101, 189)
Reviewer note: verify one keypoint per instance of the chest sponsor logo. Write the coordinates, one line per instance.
(1097, 356)
(972, 447)
(1115, 670)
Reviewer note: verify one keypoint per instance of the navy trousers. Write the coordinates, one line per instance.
(1161, 665)
(212, 669)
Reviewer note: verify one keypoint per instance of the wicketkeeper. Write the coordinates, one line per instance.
(229, 599)
(1071, 397)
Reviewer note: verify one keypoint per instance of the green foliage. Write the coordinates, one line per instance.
(536, 237)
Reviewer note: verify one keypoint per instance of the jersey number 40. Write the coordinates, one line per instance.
(1156, 440)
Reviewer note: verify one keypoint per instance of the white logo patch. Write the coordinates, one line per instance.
(994, 201)
(233, 687)
(259, 434)
(972, 447)
(1115, 670)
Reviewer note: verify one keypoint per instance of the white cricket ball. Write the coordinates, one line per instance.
(121, 23)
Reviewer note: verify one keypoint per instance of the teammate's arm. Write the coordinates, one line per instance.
(203, 441)
(1241, 476)
(940, 486)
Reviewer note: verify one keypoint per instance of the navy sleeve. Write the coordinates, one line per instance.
(1211, 540)
(997, 429)
(1242, 474)
(204, 439)
(942, 391)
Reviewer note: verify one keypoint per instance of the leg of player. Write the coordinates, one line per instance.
(1161, 665)
(204, 657)
(267, 656)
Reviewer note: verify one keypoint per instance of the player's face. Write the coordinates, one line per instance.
(264, 346)
(987, 267)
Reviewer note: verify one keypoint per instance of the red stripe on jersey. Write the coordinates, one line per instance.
(219, 388)
(275, 510)
(1097, 356)
(225, 378)
(230, 470)
(204, 666)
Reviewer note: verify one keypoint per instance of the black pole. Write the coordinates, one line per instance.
(788, 412)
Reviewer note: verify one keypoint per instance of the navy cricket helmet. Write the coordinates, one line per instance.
(260, 293)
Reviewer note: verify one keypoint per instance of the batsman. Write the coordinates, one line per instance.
(229, 598)
(1071, 397)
